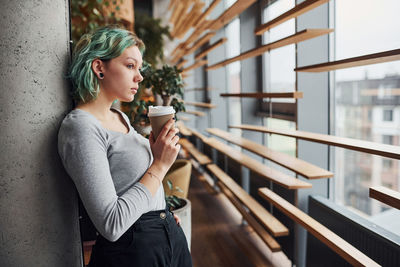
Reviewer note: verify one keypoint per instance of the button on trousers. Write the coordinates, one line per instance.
(154, 240)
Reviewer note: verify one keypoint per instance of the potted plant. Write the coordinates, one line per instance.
(175, 197)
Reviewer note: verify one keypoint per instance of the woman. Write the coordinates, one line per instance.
(117, 172)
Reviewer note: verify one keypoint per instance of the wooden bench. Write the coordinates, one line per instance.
(333, 241)
(385, 195)
(299, 166)
(255, 166)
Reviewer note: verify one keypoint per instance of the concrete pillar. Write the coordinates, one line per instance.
(38, 202)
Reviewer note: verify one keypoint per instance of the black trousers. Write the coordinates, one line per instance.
(154, 240)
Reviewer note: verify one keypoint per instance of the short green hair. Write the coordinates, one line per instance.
(104, 43)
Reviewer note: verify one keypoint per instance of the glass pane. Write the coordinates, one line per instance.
(233, 74)
(367, 106)
(278, 64)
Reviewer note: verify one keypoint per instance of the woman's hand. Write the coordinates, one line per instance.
(177, 219)
(165, 149)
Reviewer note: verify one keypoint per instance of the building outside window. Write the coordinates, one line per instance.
(367, 106)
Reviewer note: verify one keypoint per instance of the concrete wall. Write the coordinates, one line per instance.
(38, 203)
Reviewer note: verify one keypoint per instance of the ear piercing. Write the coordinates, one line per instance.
(101, 75)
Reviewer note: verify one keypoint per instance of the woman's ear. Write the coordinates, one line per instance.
(98, 67)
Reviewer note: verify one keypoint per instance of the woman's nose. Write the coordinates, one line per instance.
(139, 77)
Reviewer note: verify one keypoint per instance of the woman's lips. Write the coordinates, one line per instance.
(134, 90)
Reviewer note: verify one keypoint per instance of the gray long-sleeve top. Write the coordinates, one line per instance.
(106, 167)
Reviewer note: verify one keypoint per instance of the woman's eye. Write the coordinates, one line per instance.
(131, 66)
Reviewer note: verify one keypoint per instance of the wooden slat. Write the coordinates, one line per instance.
(199, 135)
(292, 13)
(262, 170)
(267, 95)
(176, 12)
(385, 195)
(299, 166)
(190, 19)
(180, 65)
(204, 39)
(210, 48)
(194, 112)
(238, 7)
(384, 150)
(200, 157)
(198, 89)
(182, 128)
(376, 58)
(204, 15)
(262, 233)
(333, 241)
(195, 65)
(292, 39)
(274, 226)
(200, 104)
(181, 16)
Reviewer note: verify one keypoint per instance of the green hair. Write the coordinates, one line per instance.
(105, 43)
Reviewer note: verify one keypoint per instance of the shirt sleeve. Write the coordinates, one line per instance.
(83, 151)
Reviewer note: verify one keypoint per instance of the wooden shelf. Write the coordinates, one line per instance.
(266, 219)
(181, 64)
(384, 150)
(193, 112)
(292, 39)
(376, 58)
(200, 104)
(292, 13)
(299, 166)
(204, 39)
(238, 7)
(257, 227)
(195, 65)
(200, 157)
(262, 170)
(267, 95)
(326, 236)
(385, 195)
(210, 48)
(182, 128)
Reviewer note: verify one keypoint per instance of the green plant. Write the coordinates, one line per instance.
(152, 34)
(87, 15)
(173, 201)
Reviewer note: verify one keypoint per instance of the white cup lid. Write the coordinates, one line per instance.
(160, 111)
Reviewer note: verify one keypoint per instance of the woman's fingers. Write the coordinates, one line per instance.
(177, 219)
(166, 128)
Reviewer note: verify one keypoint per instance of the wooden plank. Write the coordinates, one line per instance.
(385, 195)
(384, 150)
(238, 7)
(196, 154)
(204, 39)
(299, 166)
(204, 15)
(198, 89)
(376, 58)
(264, 171)
(200, 104)
(292, 39)
(261, 232)
(292, 13)
(274, 226)
(182, 128)
(180, 65)
(329, 238)
(210, 48)
(194, 112)
(267, 95)
(195, 65)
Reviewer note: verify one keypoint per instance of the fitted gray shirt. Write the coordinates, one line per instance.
(106, 167)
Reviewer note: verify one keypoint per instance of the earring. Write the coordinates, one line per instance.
(101, 75)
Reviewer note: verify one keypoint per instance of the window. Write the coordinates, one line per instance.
(363, 94)
(232, 32)
(278, 64)
(387, 115)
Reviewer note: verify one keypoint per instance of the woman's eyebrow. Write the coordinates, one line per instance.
(134, 60)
